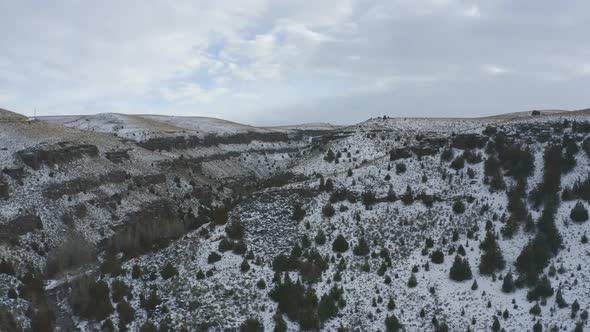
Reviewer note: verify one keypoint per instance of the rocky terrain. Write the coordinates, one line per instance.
(116, 222)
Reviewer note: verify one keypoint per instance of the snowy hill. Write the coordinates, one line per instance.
(189, 223)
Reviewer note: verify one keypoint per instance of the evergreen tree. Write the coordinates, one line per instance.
(579, 213)
(328, 210)
(280, 324)
(390, 305)
(542, 289)
(340, 244)
(508, 283)
(458, 207)
(437, 257)
(330, 156)
(362, 248)
(575, 308)
(320, 238)
(460, 270)
(329, 185)
(392, 324)
(496, 324)
(412, 282)
(492, 259)
(408, 196)
(559, 300)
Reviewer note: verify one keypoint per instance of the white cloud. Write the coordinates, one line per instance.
(471, 11)
(240, 59)
(495, 69)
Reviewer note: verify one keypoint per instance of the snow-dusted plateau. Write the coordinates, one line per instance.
(115, 222)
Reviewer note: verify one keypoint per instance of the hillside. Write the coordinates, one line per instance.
(143, 222)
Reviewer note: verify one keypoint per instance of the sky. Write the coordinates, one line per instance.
(283, 62)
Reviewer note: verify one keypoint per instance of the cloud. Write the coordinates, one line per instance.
(259, 60)
(495, 69)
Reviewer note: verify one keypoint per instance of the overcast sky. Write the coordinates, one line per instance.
(282, 61)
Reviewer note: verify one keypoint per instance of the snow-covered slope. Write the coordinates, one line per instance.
(230, 204)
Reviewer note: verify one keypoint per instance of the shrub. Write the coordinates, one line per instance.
(225, 245)
(213, 257)
(235, 230)
(328, 210)
(120, 290)
(579, 213)
(412, 282)
(168, 271)
(298, 213)
(458, 163)
(396, 154)
(329, 185)
(252, 325)
(90, 299)
(340, 244)
(330, 156)
(400, 168)
(151, 302)
(220, 215)
(438, 257)
(280, 263)
(458, 207)
(126, 314)
(111, 265)
(408, 196)
(6, 268)
(239, 247)
(368, 198)
(535, 310)
(73, 253)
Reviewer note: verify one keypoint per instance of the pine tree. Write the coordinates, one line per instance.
(492, 259)
(390, 305)
(408, 196)
(412, 282)
(320, 238)
(362, 248)
(329, 185)
(437, 257)
(579, 213)
(330, 156)
(508, 283)
(458, 207)
(460, 270)
(496, 324)
(340, 244)
(575, 308)
(392, 324)
(328, 210)
(561, 303)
